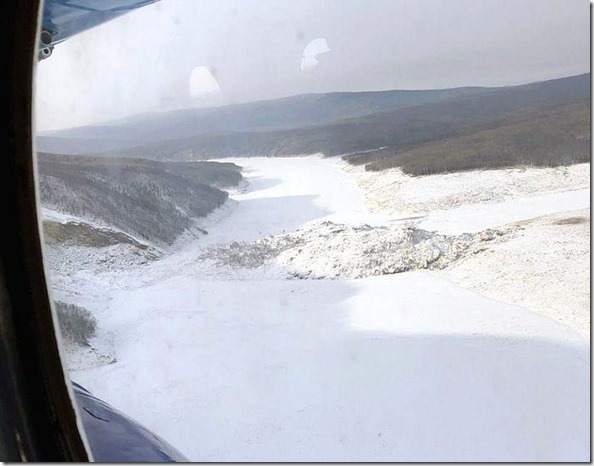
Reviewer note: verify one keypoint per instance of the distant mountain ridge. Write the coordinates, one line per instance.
(335, 123)
(267, 115)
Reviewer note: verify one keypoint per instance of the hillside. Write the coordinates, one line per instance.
(334, 124)
(148, 200)
(264, 116)
(546, 136)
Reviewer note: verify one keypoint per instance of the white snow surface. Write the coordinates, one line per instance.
(472, 201)
(243, 364)
(397, 368)
(543, 265)
(477, 217)
(392, 192)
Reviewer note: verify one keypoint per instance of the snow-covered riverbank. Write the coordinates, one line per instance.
(544, 262)
(234, 363)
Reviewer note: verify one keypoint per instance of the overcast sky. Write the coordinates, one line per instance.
(184, 53)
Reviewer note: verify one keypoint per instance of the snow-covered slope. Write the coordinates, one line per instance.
(543, 264)
(240, 363)
(393, 193)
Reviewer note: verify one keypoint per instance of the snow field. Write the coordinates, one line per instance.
(395, 368)
(240, 364)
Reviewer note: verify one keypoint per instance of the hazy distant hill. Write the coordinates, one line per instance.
(264, 116)
(339, 123)
(149, 200)
(83, 145)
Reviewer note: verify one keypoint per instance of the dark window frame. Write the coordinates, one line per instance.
(38, 421)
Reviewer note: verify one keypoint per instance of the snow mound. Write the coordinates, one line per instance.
(331, 250)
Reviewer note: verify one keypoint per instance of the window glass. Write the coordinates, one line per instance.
(324, 230)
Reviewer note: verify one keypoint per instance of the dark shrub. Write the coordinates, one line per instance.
(77, 324)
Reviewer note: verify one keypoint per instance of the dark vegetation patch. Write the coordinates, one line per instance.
(151, 200)
(77, 324)
(545, 136)
(571, 221)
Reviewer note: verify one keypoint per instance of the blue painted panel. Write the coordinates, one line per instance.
(114, 437)
(65, 18)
